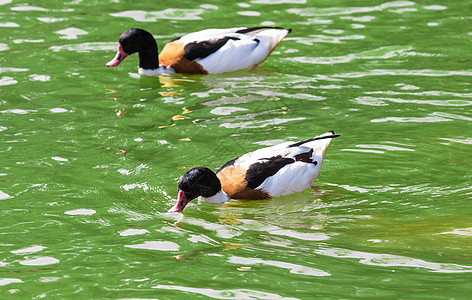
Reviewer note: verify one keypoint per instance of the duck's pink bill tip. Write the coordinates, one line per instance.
(119, 57)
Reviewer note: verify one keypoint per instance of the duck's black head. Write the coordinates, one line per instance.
(196, 182)
(137, 40)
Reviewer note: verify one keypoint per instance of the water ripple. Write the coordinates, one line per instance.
(129, 232)
(336, 11)
(404, 72)
(278, 1)
(71, 33)
(276, 230)
(462, 231)
(40, 261)
(388, 260)
(249, 13)
(225, 111)
(425, 93)
(452, 116)
(222, 231)
(383, 148)
(466, 141)
(320, 38)
(51, 20)
(156, 245)
(379, 53)
(80, 212)
(28, 250)
(374, 101)
(429, 119)
(9, 24)
(7, 69)
(167, 14)
(28, 8)
(4, 196)
(435, 7)
(259, 124)
(224, 294)
(43, 78)
(359, 19)
(5, 281)
(5, 80)
(86, 47)
(395, 189)
(294, 268)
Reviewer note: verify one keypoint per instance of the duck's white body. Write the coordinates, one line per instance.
(212, 51)
(248, 51)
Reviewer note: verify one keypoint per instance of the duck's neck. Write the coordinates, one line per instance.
(149, 63)
(220, 197)
(148, 58)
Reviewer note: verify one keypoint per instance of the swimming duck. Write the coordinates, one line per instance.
(203, 52)
(273, 171)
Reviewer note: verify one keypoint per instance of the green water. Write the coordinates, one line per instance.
(90, 156)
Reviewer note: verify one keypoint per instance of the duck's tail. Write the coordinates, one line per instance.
(274, 35)
(261, 28)
(271, 35)
(319, 144)
(327, 135)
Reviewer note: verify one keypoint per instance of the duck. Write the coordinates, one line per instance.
(207, 51)
(278, 170)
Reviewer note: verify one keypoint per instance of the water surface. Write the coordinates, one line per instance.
(91, 156)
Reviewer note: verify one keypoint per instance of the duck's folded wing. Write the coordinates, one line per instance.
(263, 163)
(261, 170)
(202, 49)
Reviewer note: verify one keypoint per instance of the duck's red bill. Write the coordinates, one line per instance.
(181, 203)
(119, 57)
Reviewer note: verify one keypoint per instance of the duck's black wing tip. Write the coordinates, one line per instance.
(258, 28)
(315, 139)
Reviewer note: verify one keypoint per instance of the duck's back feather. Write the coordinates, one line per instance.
(200, 50)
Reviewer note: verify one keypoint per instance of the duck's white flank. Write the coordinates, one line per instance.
(292, 178)
(154, 72)
(220, 197)
(299, 175)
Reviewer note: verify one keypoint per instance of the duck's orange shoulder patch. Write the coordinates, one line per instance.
(232, 180)
(173, 55)
(234, 184)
